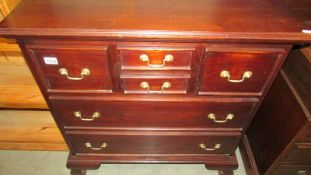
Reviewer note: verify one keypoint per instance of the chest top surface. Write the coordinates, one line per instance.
(196, 19)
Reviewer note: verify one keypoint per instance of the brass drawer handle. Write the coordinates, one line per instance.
(212, 116)
(145, 85)
(302, 172)
(226, 74)
(102, 146)
(204, 147)
(84, 72)
(79, 115)
(167, 58)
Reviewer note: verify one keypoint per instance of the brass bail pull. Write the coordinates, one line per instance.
(226, 74)
(78, 114)
(102, 146)
(84, 72)
(204, 147)
(165, 85)
(167, 58)
(212, 116)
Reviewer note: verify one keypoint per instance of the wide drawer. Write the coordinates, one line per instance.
(155, 114)
(301, 152)
(293, 169)
(238, 71)
(155, 57)
(66, 68)
(154, 143)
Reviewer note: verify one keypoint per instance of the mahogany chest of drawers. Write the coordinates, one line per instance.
(153, 81)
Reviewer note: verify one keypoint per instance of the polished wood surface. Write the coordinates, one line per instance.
(155, 85)
(181, 58)
(179, 19)
(301, 10)
(158, 115)
(237, 60)
(182, 38)
(74, 59)
(154, 143)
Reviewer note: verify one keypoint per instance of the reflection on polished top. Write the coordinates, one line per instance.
(196, 19)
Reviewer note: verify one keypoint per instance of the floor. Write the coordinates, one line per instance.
(53, 163)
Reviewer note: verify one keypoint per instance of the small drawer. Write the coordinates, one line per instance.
(139, 143)
(238, 72)
(292, 169)
(159, 58)
(66, 68)
(155, 85)
(301, 152)
(98, 114)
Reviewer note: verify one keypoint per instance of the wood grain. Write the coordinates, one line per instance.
(29, 130)
(199, 24)
(178, 19)
(153, 144)
(17, 86)
(156, 115)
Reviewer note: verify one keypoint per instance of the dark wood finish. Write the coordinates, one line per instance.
(279, 133)
(130, 58)
(263, 20)
(133, 85)
(116, 114)
(267, 146)
(158, 143)
(262, 62)
(214, 161)
(74, 59)
(298, 71)
(301, 9)
(113, 34)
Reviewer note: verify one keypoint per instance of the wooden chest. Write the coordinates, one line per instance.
(153, 81)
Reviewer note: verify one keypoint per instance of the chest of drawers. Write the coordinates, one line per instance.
(152, 82)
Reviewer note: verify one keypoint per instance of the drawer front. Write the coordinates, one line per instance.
(161, 58)
(153, 144)
(300, 153)
(292, 170)
(234, 72)
(73, 68)
(155, 85)
(155, 114)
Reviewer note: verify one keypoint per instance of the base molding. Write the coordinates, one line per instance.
(82, 162)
